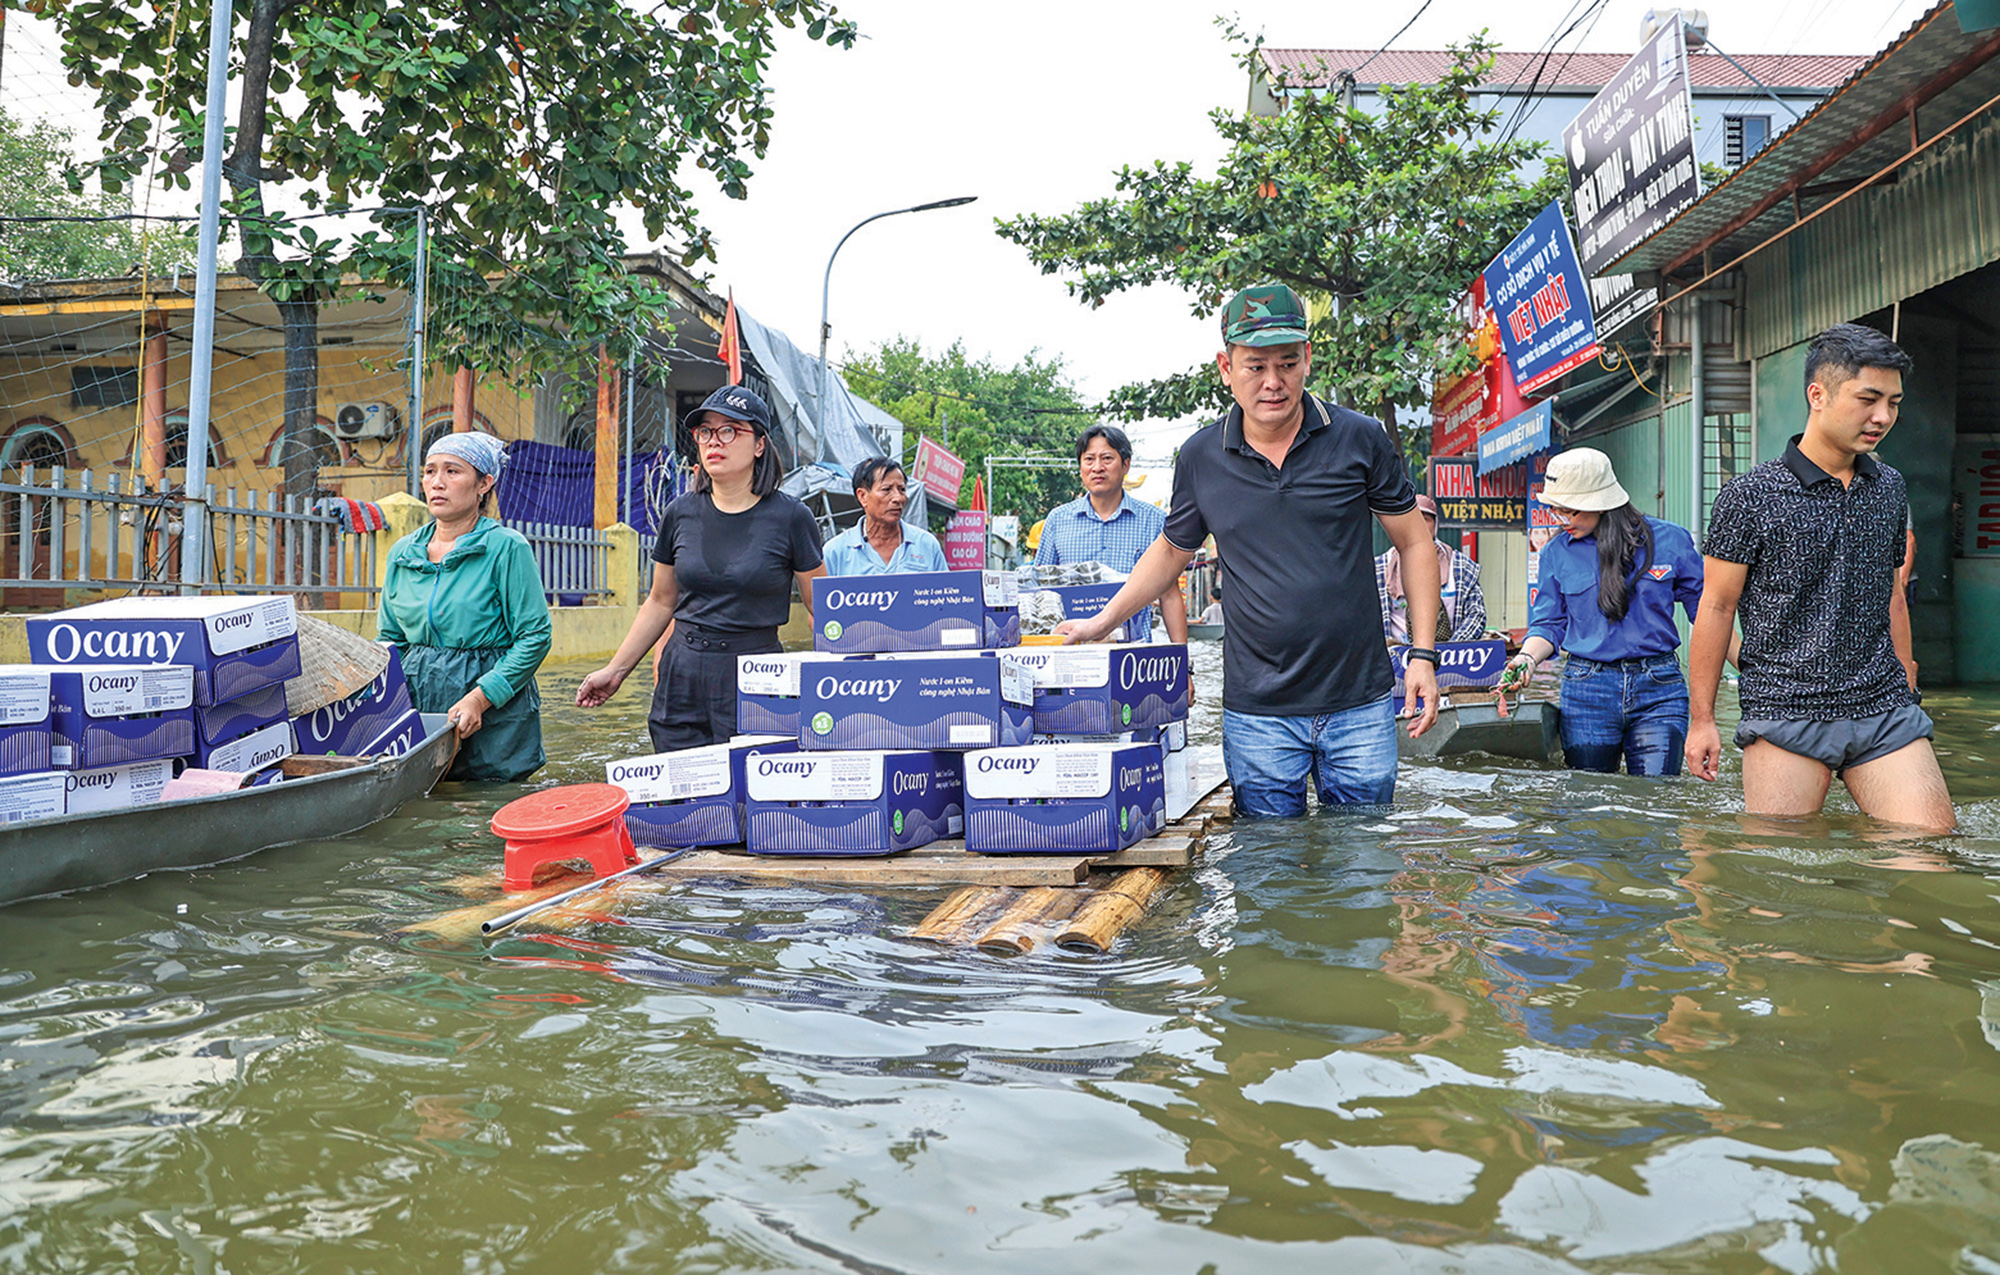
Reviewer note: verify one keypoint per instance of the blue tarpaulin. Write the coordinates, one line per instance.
(545, 483)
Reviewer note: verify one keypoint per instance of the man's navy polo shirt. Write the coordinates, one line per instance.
(1298, 557)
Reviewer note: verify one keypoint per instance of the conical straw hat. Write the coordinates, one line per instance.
(333, 664)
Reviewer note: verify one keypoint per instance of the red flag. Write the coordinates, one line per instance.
(979, 495)
(729, 346)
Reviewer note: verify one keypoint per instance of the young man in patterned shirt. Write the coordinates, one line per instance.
(1806, 550)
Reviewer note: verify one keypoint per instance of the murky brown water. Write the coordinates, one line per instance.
(1528, 1021)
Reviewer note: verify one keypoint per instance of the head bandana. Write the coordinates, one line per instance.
(483, 452)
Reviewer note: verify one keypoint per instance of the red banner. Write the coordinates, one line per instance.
(965, 541)
(940, 472)
(1459, 414)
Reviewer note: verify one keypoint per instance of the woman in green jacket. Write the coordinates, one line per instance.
(462, 599)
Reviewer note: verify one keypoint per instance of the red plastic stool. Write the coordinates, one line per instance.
(579, 821)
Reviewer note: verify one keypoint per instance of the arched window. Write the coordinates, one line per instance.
(325, 448)
(37, 441)
(176, 424)
(437, 423)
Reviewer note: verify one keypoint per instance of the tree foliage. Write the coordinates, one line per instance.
(77, 242)
(523, 128)
(1379, 220)
(1030, 409)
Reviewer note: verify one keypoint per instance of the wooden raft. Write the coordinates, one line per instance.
(1006, 904)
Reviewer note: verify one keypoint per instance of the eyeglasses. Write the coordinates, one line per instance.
(1560, 514)
(724, 434)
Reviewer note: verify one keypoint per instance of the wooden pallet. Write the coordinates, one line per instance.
(1098, 895)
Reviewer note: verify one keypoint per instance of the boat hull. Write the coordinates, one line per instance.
(1204, 632)
(77, 852)
(1531, 732)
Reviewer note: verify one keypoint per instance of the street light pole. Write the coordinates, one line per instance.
(826, 329)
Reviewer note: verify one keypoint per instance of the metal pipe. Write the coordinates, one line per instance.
(519, 914)
(1695, 407)
(194, 485)
(825, 289)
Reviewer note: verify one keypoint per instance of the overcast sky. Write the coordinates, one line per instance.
(1033, 105)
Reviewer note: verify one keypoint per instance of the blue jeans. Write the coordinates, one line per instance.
(1637, 708)
(1351, 754)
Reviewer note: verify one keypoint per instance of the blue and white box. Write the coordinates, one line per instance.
(692, 796)
(345, 727)
(767, 690)
(220, 723)
(918, 611)
(400, 738)
(1081, 601)
(39, 796)
(1102, 689)
(1173, 736)
(969, 700)
(255, 751)
(136, 783)
(107, 715)
(235, 645)
(858, 803)
(1063, 798)
(1478, 664)
(27, 723)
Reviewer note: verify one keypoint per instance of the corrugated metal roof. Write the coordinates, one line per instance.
(1311, 68)
(1798, 155)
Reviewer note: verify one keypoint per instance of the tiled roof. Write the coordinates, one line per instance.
(1310, 68)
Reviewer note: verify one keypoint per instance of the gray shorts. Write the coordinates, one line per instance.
(1838, 745)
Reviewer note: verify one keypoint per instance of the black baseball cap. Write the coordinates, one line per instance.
(739, 404)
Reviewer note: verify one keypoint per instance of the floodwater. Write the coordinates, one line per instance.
(1526, 1021)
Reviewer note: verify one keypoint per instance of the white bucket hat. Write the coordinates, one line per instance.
(1582, 479)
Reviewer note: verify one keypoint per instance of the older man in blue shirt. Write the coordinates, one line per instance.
(882, 543)
(1105, 524)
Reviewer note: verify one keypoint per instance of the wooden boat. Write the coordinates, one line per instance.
(1473, 724)
(1204, 632)
(330, 797)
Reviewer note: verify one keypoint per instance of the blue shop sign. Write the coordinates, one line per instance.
(1536, 290)
(1517, 438)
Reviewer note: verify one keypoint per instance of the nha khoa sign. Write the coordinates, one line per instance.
(1471, 501)
(1517, 439)
(1537, 291)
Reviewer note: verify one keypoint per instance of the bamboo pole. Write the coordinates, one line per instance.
(1098, 923)
(967, 907)
(1030, 920)
(461, 925)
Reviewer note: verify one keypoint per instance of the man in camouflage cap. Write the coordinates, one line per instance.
(1286, 483)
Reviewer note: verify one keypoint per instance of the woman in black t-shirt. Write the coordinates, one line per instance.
(723, 569)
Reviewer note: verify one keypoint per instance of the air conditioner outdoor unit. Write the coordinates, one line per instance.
(366, 420)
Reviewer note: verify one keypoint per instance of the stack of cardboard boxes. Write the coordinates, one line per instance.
(878, 740)
(122, 695)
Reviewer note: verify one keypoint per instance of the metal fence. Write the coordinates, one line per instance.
(572, 560)
(73, 530)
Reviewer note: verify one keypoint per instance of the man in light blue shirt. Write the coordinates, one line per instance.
(882, 543)
(1105, 524)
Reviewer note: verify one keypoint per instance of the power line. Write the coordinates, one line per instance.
(1392, 39)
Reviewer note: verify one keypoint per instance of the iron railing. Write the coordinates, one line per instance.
(572, 560)
(75, 531)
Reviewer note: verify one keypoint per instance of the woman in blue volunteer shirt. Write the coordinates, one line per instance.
(1606, 593)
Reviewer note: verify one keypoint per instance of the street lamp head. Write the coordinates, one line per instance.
(944, 203)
